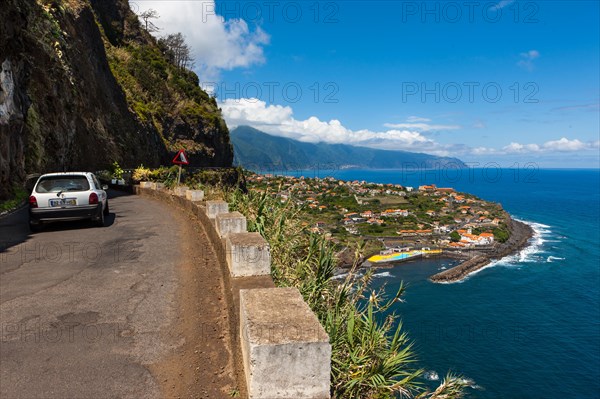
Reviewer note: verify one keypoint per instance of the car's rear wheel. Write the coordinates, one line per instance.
(106, 210)
(35, 227)
(100, 221)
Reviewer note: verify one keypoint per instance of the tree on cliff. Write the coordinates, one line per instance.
(147, 16)
(177, 50)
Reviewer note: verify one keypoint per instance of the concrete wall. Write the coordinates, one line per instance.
(285, 351)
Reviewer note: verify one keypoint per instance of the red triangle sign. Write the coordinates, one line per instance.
(180, 158)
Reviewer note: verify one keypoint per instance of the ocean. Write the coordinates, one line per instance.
(527, 326)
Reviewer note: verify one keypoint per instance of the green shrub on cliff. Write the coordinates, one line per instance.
(501, 234)
(225, 179)
(18, 198)
(157, 88)
(454, 236)
(141, 174)
(163, 174)
(116, 171)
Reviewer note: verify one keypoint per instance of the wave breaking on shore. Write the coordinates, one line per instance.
(527, 254)
(528, 238)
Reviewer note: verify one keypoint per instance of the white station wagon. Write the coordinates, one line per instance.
(67, 196)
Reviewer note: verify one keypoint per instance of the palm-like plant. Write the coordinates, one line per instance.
(372, 357)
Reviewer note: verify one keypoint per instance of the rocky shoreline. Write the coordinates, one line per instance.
(476, 260)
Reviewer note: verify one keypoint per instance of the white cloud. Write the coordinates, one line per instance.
(565, 144)
(594, 107)
(531, 54)
(421, 127)
(513, 148)
(420, 124)
(254, 112)
(527, 59)
(217, 44)
(278, 120)
(413, 119)
(501, 4)
(483, 151)
(561, 145)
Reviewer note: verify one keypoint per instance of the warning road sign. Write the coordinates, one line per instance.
(180, 158)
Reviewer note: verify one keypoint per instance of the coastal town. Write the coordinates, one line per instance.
(392, 218)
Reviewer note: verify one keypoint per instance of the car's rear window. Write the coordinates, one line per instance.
(54, 184)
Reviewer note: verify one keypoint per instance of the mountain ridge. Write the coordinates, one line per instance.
(255, 149)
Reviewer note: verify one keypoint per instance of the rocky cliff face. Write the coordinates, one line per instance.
(82, 85)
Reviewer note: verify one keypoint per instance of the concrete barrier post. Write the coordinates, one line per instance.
(232, 222)
(145, 184)
(180, 191)
(286, 351)
(213, 208)
(194, 195)
(248, 254)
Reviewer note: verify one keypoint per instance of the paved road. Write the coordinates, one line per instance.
(86, 311)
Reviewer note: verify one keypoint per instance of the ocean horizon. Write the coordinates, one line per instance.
(527, 325)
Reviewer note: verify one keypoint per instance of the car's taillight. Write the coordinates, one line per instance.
(93, 199)
(33, 202)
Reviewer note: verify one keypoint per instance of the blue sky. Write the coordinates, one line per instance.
(505, 81)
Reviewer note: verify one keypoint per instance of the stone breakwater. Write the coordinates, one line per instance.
(519, 239)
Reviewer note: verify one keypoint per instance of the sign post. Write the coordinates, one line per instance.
(180, 159)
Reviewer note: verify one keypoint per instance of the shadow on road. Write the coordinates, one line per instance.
(14, 229)
(117, 193)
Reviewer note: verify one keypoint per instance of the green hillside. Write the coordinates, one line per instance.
(83, 84)
(257, 150)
